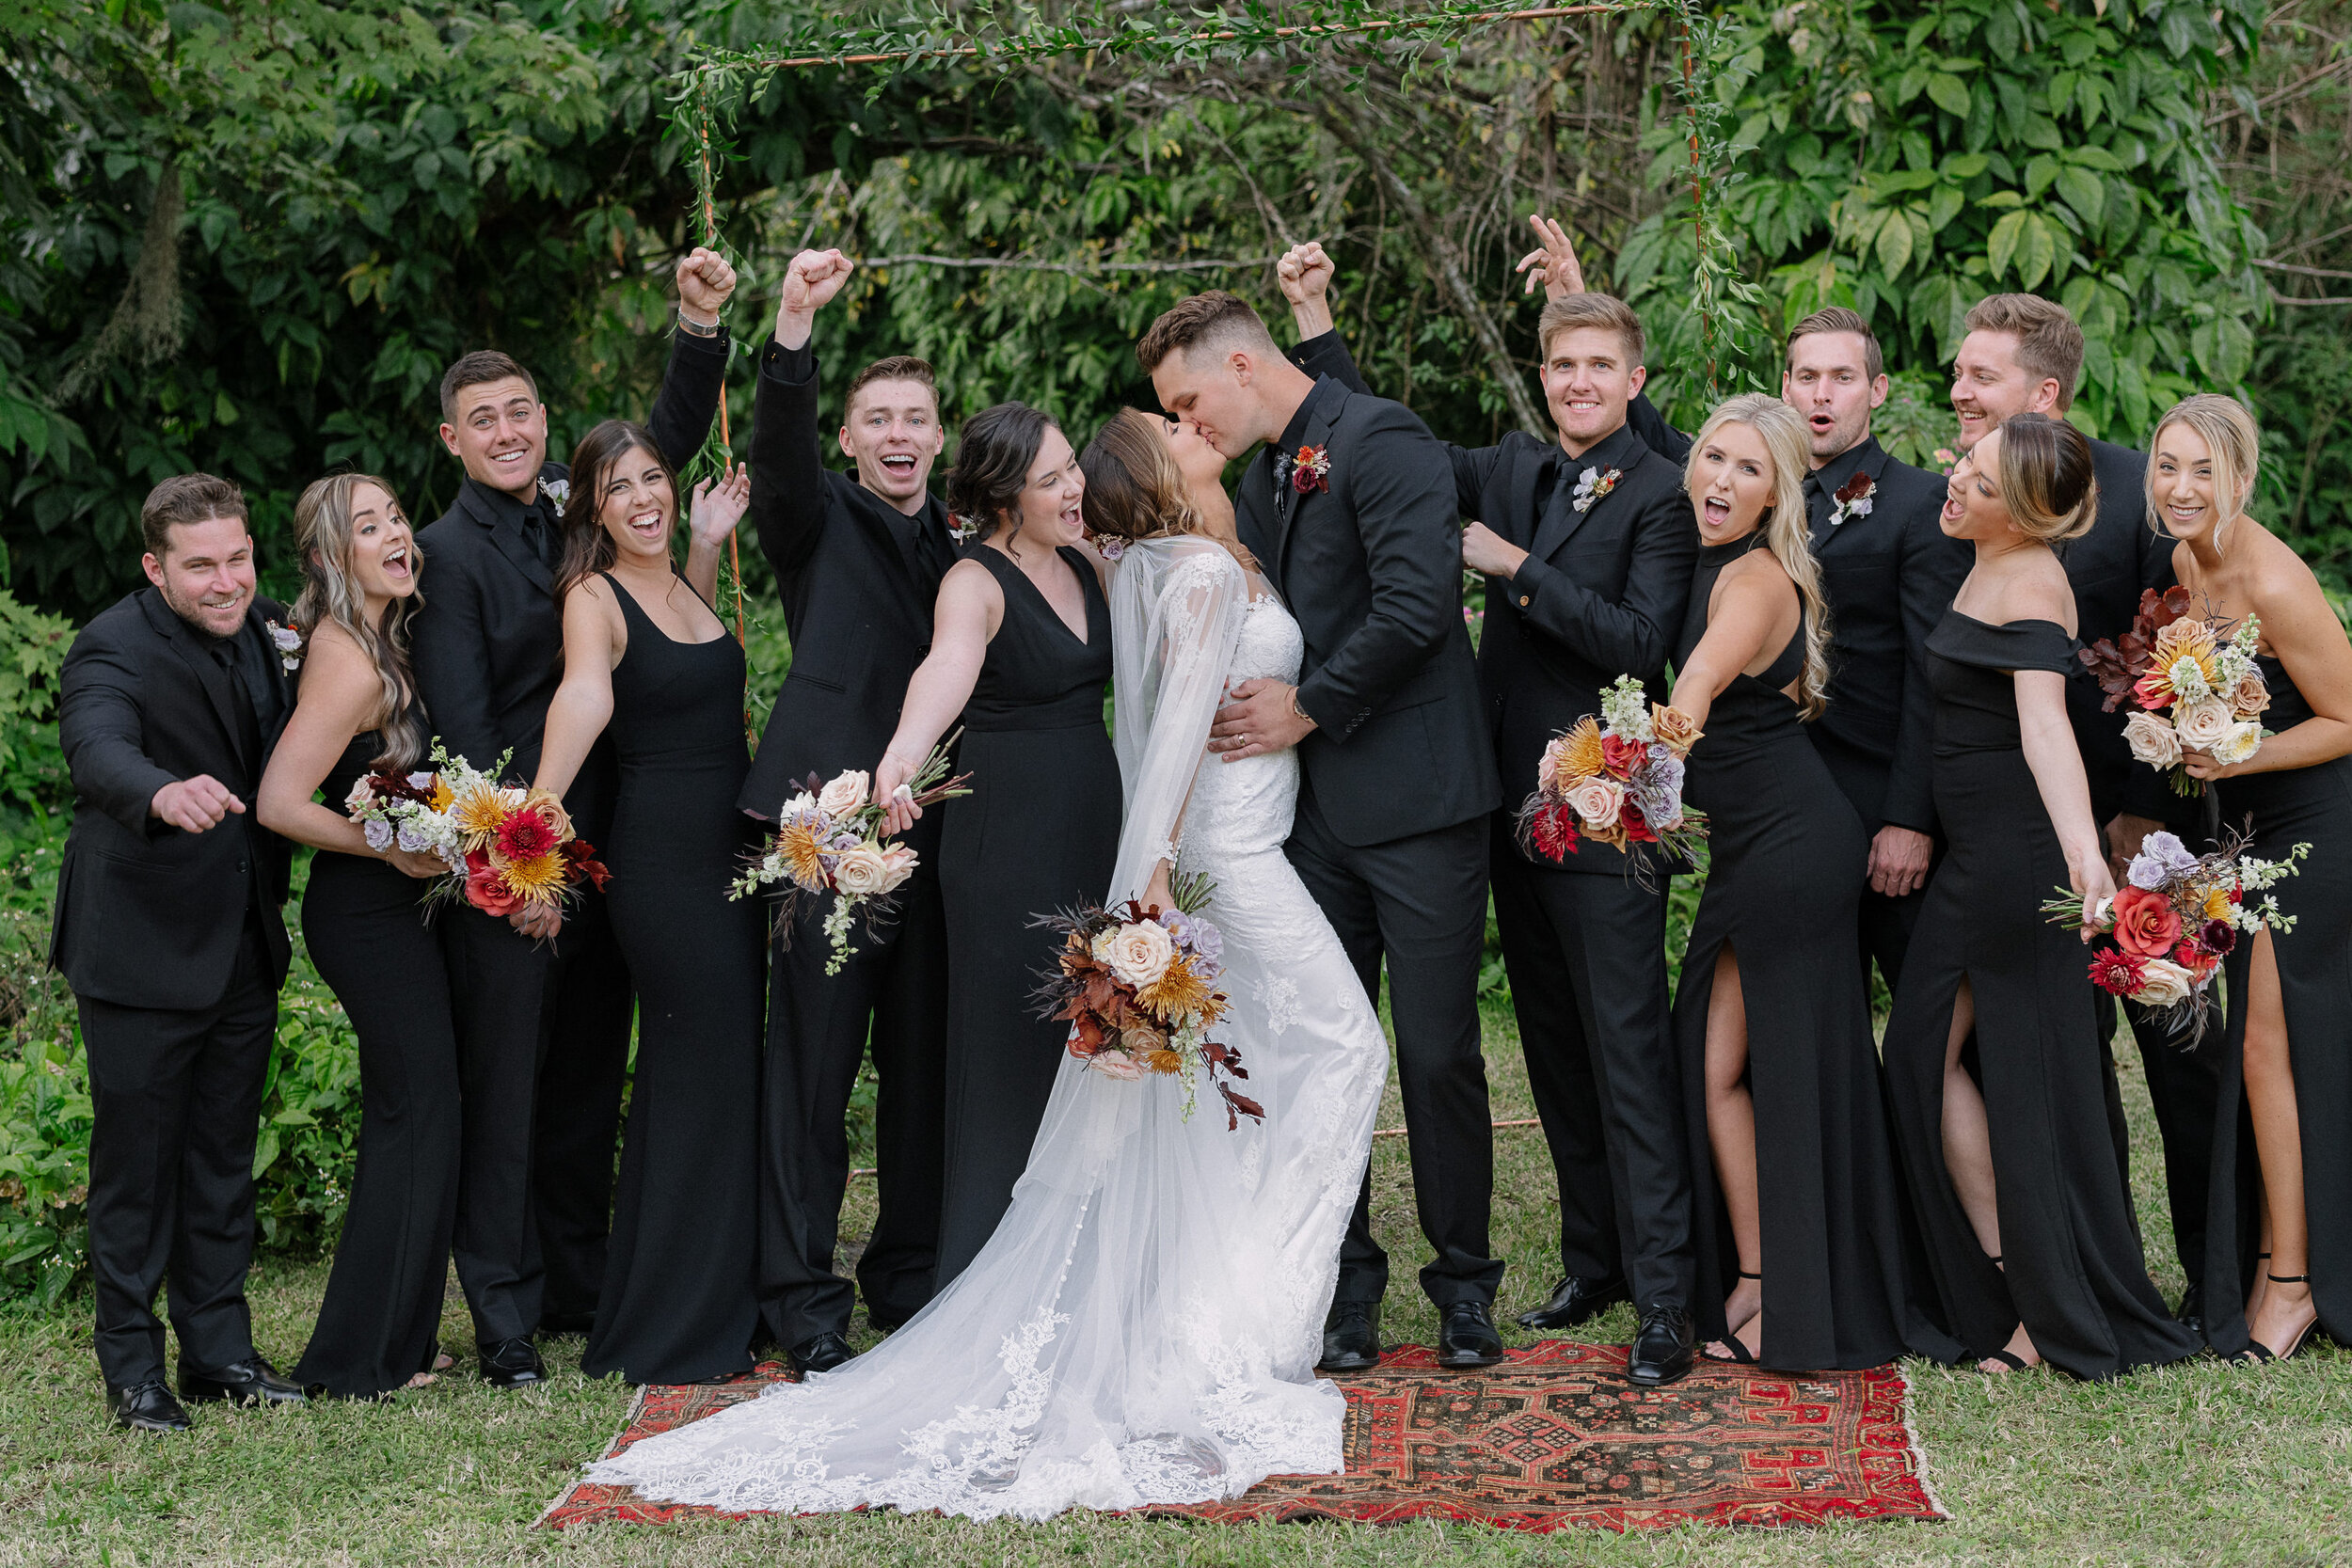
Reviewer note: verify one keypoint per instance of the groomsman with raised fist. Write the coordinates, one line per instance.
(167, 927)
(1587, 546)
(858, 561)
(489, 650)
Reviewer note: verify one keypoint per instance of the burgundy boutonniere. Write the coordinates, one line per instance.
(1853, 499)
(1310, 470)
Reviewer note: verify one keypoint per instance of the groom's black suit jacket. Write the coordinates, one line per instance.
(1601, 594)
(1372, 570)
(858, 578)
(149, 915)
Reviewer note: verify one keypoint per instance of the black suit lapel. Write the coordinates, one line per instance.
(507, 536)
(1562, 520)
(1822, 531)
(1290, 504)
(196, 652)
(1520, 505)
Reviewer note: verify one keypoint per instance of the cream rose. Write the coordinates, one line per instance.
(1114, 1063)
(844, 794)
(2203, 725)
(1138, 954)
(2163, 983)
(2153, 739)
(359, 797)
(2239, 742)
(901, 861)
(1597, 800)
(2252, 697)
(861, 872)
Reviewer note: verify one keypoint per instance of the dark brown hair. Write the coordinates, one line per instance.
(993, 461)
(2048, 479)
(1214, 318)
(1133, 489)
(472, 369)
(2049, 344)
(898, 366)
(588, 548)
(186, 498)
(1837, 318)
(1606, 311)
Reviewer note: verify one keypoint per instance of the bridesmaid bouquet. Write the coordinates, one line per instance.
(2192, 682)
(1137, 986)
(829, 839)
(2176, 918)
(506, 847)
(1616, 779)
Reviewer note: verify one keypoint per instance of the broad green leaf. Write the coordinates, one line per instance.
(1964, 166)
(1894, 245)
(2083, 192)
(2040, 171)
(2036, 250)
(1944, 204)
(1950, 94)
(2001, 244)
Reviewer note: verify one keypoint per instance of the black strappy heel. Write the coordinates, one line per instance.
(1741, 1355)
(2008, 1358)
(2256, 1351)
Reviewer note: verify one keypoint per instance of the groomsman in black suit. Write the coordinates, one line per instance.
(1397, 777)
(489, 650)
(167, 927)
(1587, 545)
(2024, 353)
(858, 561)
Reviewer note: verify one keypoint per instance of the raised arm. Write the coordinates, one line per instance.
(339, 694)
(104, 740)
(712, 512)
(594, 640)
(696, 377)
(1755, 608)
(791, 495)
(963, 622)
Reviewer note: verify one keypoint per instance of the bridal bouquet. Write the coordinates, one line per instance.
(2193, 684)
(829, 839)
(2176, 918)
(506, 847)
(1137, 986)
(1616, 779)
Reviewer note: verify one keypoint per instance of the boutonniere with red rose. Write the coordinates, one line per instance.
(1591, 485)
(1853, 499)
(1310, 470)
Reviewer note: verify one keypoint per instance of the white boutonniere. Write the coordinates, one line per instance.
(1591, 485)
(960, 528)
(557, 490)
(288, 642)
(1852, 498)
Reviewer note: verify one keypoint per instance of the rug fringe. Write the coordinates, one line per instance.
(1918, 1449)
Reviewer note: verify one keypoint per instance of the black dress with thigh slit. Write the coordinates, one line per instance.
(1038, 833)
(2074, 1274)
(1785, 861)
(2282, 809)
(364, 922)
(678, 1304)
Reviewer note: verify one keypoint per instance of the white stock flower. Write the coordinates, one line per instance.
(2153, 739)
(2188, 681)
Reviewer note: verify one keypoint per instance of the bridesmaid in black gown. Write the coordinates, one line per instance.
(645, 652)
(363, 920)
(1800, 1257)
(1040, 827)
(2026, 1218)
(2279, 1246)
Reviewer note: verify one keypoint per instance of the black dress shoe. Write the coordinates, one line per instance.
(821, 1354)
(251, 1380)
(511, 1364)
(1467, 1337)
(146, 1407)
(1576, 1299)
(1662, 1347)
(1351, 1338)
(566, 1324)
(2191, 1315)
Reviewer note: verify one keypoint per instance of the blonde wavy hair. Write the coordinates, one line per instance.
(2235, 441)
(330, 592)
(1786, 532)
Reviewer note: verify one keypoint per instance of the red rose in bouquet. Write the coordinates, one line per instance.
(486, 889)
(2145, 924)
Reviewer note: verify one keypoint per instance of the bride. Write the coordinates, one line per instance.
(1142, 1328)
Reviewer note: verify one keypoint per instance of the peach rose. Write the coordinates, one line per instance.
(486, 890)
(1671, 727)
(845, 794)
(2162, 983)
(1114, 1063)
(2153, 739)
(861, 872)
(901, 861)
(2202, 724)
(1597, 800)
(2145, 924)
(2252, 696)
(1138, 954)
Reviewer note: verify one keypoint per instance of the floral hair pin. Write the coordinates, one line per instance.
(1310, 470)
(1591, 485)
(1853, 499)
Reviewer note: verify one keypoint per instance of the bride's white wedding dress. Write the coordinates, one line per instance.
(1143, 1326)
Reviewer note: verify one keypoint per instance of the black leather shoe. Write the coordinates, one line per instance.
(146, 1407)
(1662, 1347)
(251, 1380)
(1351, 1338)
(1467, 1337)
(2191, 1315)
(821, 1354)
(1576, 1299)
(511, 1364)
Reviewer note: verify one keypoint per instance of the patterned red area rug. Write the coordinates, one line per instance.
(1553, 1438)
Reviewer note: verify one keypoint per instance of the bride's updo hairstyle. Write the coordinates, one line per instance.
(992, 462)
(1133, 489)
(2047, 478)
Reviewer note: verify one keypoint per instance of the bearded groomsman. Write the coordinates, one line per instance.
(166, 926)
(489, 646)
(2023, 354)
(1587, 545)
(858, 561)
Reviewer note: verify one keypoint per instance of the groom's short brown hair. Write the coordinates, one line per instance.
(1214, 319)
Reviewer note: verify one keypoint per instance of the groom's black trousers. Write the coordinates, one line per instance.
(893, 994)
(592, 1012)
(1586, 954)
(1420, 903)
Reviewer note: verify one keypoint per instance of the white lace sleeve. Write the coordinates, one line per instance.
(1176, 616)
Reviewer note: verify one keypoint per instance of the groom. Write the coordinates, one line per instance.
(1350, 514)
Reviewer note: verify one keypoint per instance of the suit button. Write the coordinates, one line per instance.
(1523, 601)
(241, 868)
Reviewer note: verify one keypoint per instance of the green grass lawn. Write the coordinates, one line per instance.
(2202, 1464)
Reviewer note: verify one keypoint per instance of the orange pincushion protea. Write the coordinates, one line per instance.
(1576, 755)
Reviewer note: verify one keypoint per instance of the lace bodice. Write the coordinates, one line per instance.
(1246, 807)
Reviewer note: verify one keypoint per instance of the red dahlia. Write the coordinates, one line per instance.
(525, 836)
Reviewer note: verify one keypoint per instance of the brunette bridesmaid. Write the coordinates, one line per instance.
(356, 713)
(2279, 1243)
(2026, 1218)
(1021, 657)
